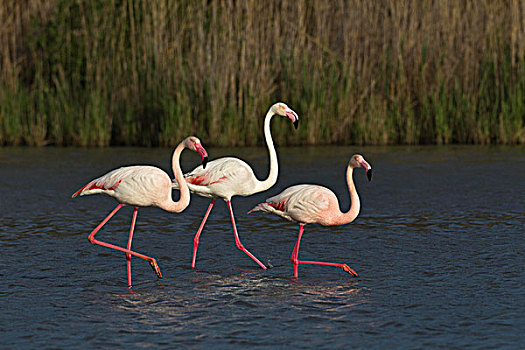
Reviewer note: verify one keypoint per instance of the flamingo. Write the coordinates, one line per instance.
(142, 186)
(227, 177)
(314, 204)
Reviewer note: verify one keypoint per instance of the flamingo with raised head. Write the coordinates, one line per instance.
(143, 186)
(314, 204)
(228, 177)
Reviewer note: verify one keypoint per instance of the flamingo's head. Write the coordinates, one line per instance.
(283, 110)
(358, 161)
(193, 143)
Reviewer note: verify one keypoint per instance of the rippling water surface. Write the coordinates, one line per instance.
(439, 246)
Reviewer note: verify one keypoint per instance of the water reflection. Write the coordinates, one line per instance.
(239, 302)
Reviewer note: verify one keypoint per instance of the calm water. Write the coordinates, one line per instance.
(439, 245)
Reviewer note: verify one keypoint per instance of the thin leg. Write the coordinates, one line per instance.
(295, 258)
(295, 253)
(128, 256)
(197, 235)
(92, 239)
(238, 241)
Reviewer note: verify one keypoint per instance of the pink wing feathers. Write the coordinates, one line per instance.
(107, 182)
(202, 180)
(217, 171)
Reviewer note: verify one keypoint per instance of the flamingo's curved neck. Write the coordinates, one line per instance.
(355, 204)
(274, 165)
(184, 199)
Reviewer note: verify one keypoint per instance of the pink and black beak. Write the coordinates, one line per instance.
(293, 117)
(202, 152)
(364, 164)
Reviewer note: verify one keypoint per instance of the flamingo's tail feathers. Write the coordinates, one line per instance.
(258, 207)
(96, 187)
(202, 191)
(78, 193)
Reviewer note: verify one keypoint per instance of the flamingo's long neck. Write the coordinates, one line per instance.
(184, 199)
(355, 204)
(274, 165)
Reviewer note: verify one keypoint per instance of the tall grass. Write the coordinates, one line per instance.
(130, 72)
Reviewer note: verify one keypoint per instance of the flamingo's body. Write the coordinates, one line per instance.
(307, 204)
(223, 178)
(314, 204)
(228, 177)
(142, 186)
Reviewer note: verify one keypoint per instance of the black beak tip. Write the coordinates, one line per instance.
(369, 175)
(296, 124)
(204, 162)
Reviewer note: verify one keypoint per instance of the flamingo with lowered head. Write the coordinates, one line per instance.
(314, 204)
(143, 186)
(227, 177)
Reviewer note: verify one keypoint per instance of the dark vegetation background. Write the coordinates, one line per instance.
(130, 72)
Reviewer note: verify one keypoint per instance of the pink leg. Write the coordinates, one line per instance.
(238, 241)
(295, 258)
(128, 256)
(295, 253)
(198, 234)
(92, 239)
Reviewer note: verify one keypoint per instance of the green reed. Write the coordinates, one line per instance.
(131, 72)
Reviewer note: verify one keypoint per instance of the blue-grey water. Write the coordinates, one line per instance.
(439, 246)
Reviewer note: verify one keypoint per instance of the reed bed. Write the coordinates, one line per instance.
(130, 72)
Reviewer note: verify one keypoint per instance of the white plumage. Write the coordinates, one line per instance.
(301, 204)
(142, 186)
(222, 178)
(228, 177)
(139, 185)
